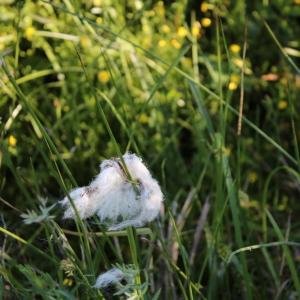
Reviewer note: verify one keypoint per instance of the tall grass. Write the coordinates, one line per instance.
(81, 82)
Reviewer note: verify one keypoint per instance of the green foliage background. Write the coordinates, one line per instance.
(169, 78)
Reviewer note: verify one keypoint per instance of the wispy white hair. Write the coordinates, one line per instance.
(112, 196)
(110, 277)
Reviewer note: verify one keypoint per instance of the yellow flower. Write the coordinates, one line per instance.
(165, 29)
(235, 78)
(182, 32)
(282, 104)
(297, 2)
(12, 141)
(234, 82)
(162, 43)
(99, 20)
(85, 41)
(68, 282)
(144, 119)
(204, 7)
(97, 2)
(206, 22)
(29, 32)
(232, 86)
(103, 76)
(235, 48)
(65, 282)
(196, 29)
(175, 43)
(226, 151)
(240, 63)
(252, 177)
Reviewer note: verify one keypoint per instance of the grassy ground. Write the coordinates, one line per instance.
(205, 92)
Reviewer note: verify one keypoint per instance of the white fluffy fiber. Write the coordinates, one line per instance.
(111, 196)
(110, 277)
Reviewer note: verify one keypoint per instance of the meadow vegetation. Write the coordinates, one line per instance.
(206, 92)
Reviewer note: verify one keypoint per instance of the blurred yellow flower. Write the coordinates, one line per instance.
(97, 2)
(235, 48)
(252, 177)
(232, 86)
(204, 7)
(144, 119)
(235, 78)
(29, 32)
(182, 32)
(175, 43)
(282, 104)
(165, 29)
(85, 41)
(206, 22)
(68, 282)
(234, 82)
(12, 141)
(162, 43)
(226, 151)
(99, 20)
(196, 29)
(103, 76)
(240, 63)
(297, 2)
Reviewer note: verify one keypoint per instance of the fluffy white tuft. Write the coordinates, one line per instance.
(110, 277)
(111, 196)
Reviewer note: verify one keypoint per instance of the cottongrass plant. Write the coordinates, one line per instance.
(112, 195)
(115, 276)
(124, 189)
(122, 277)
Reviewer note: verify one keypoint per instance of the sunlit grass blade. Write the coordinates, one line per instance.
(21, 240)
(260, 246)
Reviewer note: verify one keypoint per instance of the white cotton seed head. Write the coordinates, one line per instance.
(81, 201)
(110, 277)
(113, 197)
